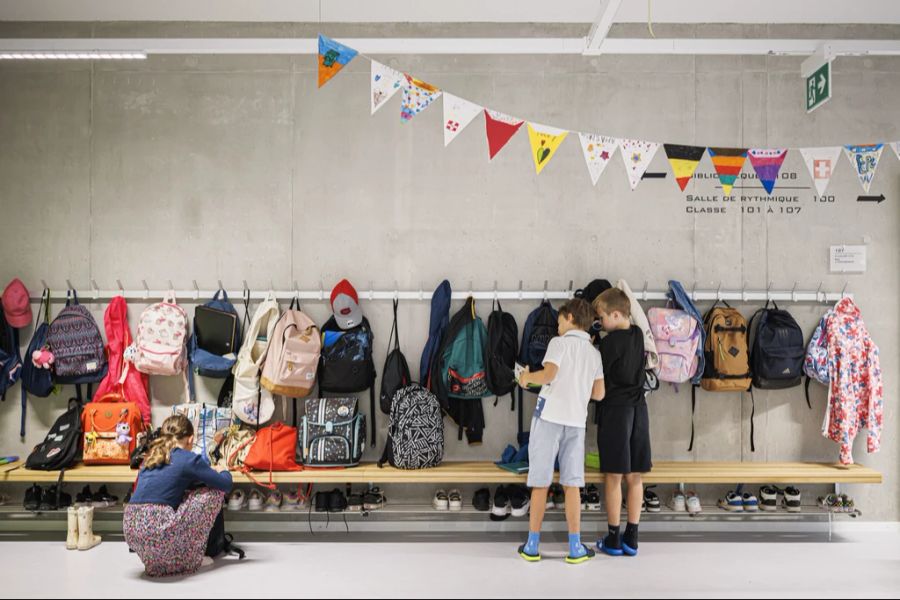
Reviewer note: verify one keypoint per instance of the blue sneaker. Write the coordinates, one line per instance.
(609, 550)
(732, 502)
(751, 504)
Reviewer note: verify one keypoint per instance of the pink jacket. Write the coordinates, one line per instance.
(122, 375)
(856, 395)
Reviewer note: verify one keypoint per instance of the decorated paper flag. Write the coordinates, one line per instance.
(458, 113)
(864, 159)
(385, 83)
(684, 161)
(598, 150)
(728, 163)
(767, 164)
(499, 128)
(821, 163)
(637, 155)
(896, 147)
(333, 56)
(417, 96)
(545, 140)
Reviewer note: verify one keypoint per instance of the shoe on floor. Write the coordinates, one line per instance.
(528, 557)
(103, 499)
(519, 500)
(33, 497)
(751, 503)
(455, 500)
(273, 502)
(768, 498)
(732, 502)
(337, 502)
(374, 499)
(692, 504)
(651, 500)
(502, 507)
(592, 498)
(482, 500)
(322, 501)
(440, 501)
(355, 503)
(48, 500)
(606, 548)
(791, 499)
(237, 500)
(559, 496)
(677, 502)
(255, 500)
(86, 537)
(290, 502)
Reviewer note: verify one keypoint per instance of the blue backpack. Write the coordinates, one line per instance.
(10, 359)
(440, 320)
(35, 380)
(205, 363)
(682, 300)
(541, 326)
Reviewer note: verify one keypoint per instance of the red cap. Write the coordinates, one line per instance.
(344, 287)
(16, 304)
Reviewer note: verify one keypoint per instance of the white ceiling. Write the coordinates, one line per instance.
(433, 11)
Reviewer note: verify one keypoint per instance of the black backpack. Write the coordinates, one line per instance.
(589, 293)
(10, 358)
(346, 366)
(777, 350)
(500, 353)
(59, 450)
(541, 326)
(395, 374)
(219, 542)
(415, 437)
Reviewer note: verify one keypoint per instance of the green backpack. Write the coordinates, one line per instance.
(463, 367)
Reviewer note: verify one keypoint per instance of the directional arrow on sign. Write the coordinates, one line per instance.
(821, 83)
(878, 199)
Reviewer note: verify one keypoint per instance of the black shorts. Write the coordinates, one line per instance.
(623, 438)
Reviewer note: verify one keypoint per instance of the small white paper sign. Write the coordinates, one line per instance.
(848, 259)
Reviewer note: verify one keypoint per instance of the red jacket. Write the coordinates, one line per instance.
(134, 385)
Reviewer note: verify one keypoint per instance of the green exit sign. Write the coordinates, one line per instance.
(818, 87)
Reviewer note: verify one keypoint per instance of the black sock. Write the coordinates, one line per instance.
(630, 538)
(613, 539)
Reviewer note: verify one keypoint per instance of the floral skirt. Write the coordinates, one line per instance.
(168, 541)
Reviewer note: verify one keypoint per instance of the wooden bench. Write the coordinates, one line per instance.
(486, 472)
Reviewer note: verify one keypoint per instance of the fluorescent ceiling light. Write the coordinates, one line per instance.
(72, 55)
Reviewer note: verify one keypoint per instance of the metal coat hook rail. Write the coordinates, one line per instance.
(196, 294)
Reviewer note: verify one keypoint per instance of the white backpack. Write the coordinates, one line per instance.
(160, 347)
(293, 356)
(251, 404)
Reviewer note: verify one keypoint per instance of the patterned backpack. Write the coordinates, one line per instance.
(815, 364)
(161, 342)
(77, 345)
(677, 336)
(332, 433)
(415, 438)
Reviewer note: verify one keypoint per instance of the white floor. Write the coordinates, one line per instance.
(857, 565)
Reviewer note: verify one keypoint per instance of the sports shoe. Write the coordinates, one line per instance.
(455, 499)
(583, 493)
(48, 500)
(255, 500)
(237, 500)
(290, 502)
(520, 501)
(592, 498)
(374, 499)
(588, 555)
(651, 500)
(692, 504)
(732, 502)
(337, 502)
(559, 496)
(85, 498)
(322, 501)
(482, 500)
(502, 507)
(103, 499)
(355, 503)
(33, 497)
(677, 502)
(441, 501)
(273, 502)
(751, 504)
(791, 499)
(768, 498)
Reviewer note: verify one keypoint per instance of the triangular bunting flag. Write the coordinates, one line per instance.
(728, 163)
(896, 147)
(545, 141)
(821, 163)
(385, 83)
(637, 155)
(499, 128)
(458, 113)
(684, 161)
(767, 164)
(417, 96)
(598, 150)
(333, 56)
(864, 159)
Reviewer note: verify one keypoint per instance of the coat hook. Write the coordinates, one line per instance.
(794, 292)
(571, 284)
(146, 289)
(321, 291)
(843, 291)
(694, 291)
(69, 285)
(121, 287)
(197, 290)
(95, 289)
(644, 291)
(396, 290)
(221, 287)
(171, 287)
(818, 291)
(744, 292)
(44, 283)
(545, 289)
(768, 291)
(719, 292)
(421, 290)
(496, 294)
(471, 289)
(296, 289)
(521, 294)
(246, 287)
(371, 291)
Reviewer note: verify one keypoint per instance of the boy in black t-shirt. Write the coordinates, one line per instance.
(623, 433)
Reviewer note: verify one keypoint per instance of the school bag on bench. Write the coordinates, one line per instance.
(59, 450)
(232, 445)
(77, 346)
(395, 374)
(274, 449)
(332, 433)
(541, 326)
(500, 351)
(415, 438)
(122, 376)
(207, 419)
(293, 355)
(110, 425)
(215, 340)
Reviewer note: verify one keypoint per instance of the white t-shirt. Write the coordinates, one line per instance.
(565, 400)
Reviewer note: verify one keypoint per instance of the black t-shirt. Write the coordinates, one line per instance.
(623, 367)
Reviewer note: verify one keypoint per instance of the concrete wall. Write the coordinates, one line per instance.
(232, 168)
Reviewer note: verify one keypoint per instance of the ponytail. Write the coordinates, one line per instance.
(174, 430)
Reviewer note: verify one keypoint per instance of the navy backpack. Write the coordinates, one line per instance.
(205, 363)
(541, 326)
(35, 380)
(10, 359)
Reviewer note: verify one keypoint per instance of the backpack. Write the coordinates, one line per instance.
(10, 359)
(144, 441)
(37, 380)
(346, 365)
(541, 326)
(77, 346)
(110, 426)
(395, 374)
(273, 450)
(231, 447)
(249, 403)
(679, 298)
(206, 419)
(727, 367)
(332, 433)
(815, 364)
(678, 337)
(589, 293)
(161, 342)
(463, 368)
(219, 542)
(293, 355)
(415, 437)
(59, 450)
(440, 320)
(122, 377)
(500, 351)
(205, 362)
(778, 350)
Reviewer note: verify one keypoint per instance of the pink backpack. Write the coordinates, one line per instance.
(677, 336)
(293, 355)
(161, 343)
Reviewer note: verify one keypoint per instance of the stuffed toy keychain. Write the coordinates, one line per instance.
(123, 434)
(43, 358)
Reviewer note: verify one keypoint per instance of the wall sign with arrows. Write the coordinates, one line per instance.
(878, 199)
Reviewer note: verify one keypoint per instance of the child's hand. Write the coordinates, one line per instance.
(523, 377)
(219, 469)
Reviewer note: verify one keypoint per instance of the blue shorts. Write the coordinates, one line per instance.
(546, 442)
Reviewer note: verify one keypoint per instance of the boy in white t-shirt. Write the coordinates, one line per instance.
(572, 376)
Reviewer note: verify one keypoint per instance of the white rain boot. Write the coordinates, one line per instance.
(72, 537)
(86, 537)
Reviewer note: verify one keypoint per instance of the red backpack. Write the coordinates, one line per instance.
(275, 449)
(122, 377)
